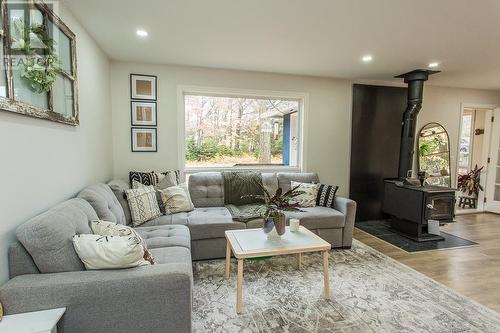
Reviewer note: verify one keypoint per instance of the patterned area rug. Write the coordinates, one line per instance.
(370, 293)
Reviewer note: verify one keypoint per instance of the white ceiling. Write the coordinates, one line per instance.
(308, 37)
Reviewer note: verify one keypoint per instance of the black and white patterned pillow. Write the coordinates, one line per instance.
(153, 178)
(326, 195)
(145, 178)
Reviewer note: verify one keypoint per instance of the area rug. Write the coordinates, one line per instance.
(370, 293)
(382, 229)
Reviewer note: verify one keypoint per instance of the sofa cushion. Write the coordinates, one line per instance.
(165, 236)
(177, 219)
(206, 189)
(318, 218)
(48, 236)
(104, 202)
(285, 178)
(172, 255)
(211, 222)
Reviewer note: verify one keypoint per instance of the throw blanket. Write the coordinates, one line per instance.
(246, 213)
(238, 184)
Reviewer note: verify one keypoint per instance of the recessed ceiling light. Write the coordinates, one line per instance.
(433, 64)
(142, 33)
(367, 58)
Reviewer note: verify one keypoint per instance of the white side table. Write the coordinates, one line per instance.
(32, 322)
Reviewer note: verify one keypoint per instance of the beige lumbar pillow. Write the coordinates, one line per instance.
(176, 199)
(109, 252)
(143, 204)
(308, 198)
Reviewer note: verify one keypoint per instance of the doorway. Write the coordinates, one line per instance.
(473, 154)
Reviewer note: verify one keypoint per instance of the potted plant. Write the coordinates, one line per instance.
(469, 183)
(275, 205)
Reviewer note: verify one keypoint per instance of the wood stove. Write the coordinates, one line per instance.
(412, 206)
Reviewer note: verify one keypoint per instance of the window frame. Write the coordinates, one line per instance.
(9, 103)
(302, 98)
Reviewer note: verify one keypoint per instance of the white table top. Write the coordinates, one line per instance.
(254, 242)
(31, 322)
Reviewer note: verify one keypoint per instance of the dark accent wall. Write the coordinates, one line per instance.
(377, 113)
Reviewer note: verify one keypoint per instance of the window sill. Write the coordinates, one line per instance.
(191, 170)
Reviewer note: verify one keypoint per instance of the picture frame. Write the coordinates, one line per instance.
(143, 113)
(143, 139)
(143, 87)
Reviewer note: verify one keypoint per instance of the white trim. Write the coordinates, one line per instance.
(487, 140)
(236, 92)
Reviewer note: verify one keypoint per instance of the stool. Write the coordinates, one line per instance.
(466, 201)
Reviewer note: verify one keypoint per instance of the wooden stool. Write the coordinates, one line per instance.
(466, 201)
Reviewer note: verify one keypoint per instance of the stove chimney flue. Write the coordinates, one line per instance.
(415, 80)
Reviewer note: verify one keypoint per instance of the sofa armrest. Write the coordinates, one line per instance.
(154, 298)
(348, 208)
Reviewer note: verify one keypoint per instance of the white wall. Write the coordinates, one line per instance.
(328, 123)
(43, 163)
(444, 106)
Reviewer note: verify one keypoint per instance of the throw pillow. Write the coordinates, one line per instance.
(308, 198)
(154, 178)
(143, 204)
(167, 179)
(326, 195)
(137, 185)
(146, 178)
(176, 199)
(106, 228)
(109, 252)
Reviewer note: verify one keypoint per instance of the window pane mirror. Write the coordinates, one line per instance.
(434, 154)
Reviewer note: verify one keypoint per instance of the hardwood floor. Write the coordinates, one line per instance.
(472, 271)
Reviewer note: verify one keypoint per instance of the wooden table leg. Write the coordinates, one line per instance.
(326, 275)
(239, 287)
(228, 260)
(299, 261)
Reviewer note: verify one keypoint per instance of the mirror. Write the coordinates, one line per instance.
(434, 154)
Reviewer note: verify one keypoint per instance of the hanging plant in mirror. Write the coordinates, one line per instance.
(40, 71)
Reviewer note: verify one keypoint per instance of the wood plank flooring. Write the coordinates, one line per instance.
(472, 271)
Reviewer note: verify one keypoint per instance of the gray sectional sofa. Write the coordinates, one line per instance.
(46, 272)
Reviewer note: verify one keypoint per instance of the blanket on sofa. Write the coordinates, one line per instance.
(238, 184)
(245, 213)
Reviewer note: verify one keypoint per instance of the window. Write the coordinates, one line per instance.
(246, 132)
(466, 138)
(20, 21)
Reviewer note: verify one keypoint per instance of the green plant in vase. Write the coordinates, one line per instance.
(275, 205)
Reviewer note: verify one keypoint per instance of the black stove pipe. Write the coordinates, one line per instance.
(415, 80)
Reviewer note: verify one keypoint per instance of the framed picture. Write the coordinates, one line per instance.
(144, 139)
(143, 87)
(143, 113)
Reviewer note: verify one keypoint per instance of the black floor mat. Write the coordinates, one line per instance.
(381, 229)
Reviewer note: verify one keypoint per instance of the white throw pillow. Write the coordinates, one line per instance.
(176, 199)
(307, 199)
(109, 252)
(143, 204)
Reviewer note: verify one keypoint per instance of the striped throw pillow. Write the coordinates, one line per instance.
(326, 195)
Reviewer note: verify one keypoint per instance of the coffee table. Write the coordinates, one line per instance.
(251, 243)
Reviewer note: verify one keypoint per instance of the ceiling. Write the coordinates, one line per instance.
(307, 37)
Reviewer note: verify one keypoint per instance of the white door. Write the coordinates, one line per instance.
(493, 181)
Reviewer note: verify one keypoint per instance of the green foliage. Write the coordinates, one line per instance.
(40, 71)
